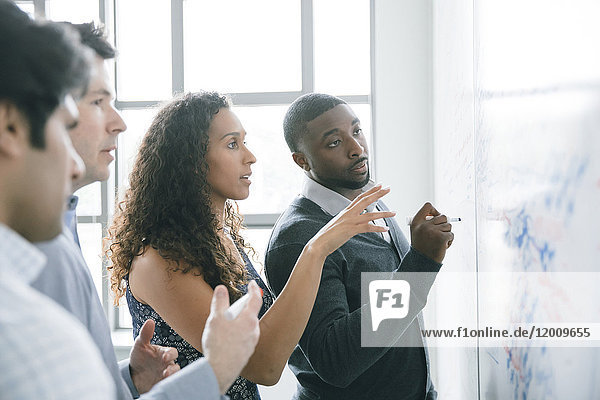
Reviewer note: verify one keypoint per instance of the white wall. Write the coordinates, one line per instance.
(402, 102)
(455, 303)
(403, 115)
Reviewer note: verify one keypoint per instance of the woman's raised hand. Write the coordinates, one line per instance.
(351, 221)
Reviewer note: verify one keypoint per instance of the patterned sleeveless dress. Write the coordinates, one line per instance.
(164, 335)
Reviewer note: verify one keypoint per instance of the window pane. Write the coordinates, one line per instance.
(90, 237)
(138, 122)
(363, 112)
(27, 6)
(124, 316)
(73, 11)
(144, 44)
(276, 179)
(342, 46)
(258, 239)
(90, 199)
(257, 48)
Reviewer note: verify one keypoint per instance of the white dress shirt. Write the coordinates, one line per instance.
(333, 203)
(46, 353)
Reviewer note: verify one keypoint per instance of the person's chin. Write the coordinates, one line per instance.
(101, 175)
(359, 182)
(243, 195)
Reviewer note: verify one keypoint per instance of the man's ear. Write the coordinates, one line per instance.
(301, 160)
(13, 130)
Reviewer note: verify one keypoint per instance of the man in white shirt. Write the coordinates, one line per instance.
(47, 353)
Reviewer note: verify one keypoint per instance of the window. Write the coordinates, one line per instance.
(73, 11)
(264, 53)
(247, 50)
(26, 6)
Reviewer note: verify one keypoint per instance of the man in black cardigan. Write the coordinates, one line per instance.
(329, 362)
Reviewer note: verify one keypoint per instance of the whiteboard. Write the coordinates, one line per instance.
(454, 369)
(517, 155)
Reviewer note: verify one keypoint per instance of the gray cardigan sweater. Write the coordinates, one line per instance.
(329, 361)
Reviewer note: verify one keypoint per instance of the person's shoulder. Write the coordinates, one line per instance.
(33, 308)
(298, 223)
(31, 305)
(66, 346)
(65, 266)
(151, 273)
(151, 262)
(301, 214)
(150, 266)
(59, 250)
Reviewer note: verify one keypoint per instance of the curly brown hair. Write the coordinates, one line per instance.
(167, 205)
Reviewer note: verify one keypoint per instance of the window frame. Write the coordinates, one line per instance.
(107, 15)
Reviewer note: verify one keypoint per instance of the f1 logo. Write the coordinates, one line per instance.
(389, 299)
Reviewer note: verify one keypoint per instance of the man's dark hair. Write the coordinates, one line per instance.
(94, 37)
(40, 63)
(303, 110)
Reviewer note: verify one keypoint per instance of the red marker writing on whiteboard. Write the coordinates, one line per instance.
(236, 308)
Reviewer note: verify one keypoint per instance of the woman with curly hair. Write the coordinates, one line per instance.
(176, 236)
